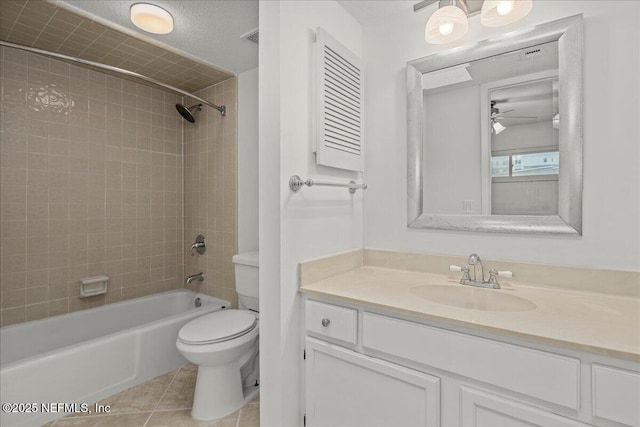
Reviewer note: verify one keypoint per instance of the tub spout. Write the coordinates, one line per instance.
(195, 278)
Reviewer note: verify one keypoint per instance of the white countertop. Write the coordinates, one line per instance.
(595, 322)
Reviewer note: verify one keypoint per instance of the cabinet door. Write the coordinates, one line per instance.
(344, 388)
(616, 394)
(481, 409)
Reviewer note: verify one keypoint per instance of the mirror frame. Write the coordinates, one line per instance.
(568, 33)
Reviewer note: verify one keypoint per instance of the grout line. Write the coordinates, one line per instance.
(163, 395)
(148, 418)
(171, 409)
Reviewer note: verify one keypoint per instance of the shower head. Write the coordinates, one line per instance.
(187, 112)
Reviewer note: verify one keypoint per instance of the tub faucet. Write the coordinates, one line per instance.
(195, 278)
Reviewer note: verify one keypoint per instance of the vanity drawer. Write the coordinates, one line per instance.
(616, 394)
(546, 376)
(332, 321)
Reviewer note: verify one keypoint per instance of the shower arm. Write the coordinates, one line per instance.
(221, 108)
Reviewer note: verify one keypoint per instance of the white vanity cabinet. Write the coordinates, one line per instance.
(366, 367)
(347, 388)
(481, 409)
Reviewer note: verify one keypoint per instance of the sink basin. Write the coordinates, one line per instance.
(472, 298)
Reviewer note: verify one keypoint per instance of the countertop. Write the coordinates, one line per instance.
(595, 322)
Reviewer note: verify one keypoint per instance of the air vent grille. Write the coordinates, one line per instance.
(252, 36)
(339, 105)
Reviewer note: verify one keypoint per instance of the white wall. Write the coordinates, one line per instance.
(294, 226)
(248, 161)
(451, 151)
(611, 227)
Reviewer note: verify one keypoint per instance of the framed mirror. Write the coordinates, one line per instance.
(494, 134)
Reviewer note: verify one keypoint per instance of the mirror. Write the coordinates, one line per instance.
(495, 134)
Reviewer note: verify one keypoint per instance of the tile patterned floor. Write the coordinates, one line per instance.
(164, 401)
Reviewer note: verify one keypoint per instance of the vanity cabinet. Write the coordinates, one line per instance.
(345, 388)
(481, 409)
(366, 367)
(616, 394)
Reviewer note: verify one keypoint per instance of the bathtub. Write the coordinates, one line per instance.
(88, 355)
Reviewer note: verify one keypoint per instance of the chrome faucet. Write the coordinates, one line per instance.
(473, 261)
(195, 278)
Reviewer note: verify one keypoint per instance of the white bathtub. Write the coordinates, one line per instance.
(88, 355)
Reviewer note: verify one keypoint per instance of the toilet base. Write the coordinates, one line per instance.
(219, 392)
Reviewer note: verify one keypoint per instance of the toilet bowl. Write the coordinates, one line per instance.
(224, 345)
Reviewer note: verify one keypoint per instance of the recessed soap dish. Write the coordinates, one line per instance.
(92, 286)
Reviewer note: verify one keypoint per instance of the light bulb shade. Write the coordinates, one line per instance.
(446, 25)
(497, 127)
(151, 18)
(496, 13)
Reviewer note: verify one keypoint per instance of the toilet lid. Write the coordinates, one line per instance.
(217, 327)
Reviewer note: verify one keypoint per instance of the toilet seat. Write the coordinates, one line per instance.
(218, 327)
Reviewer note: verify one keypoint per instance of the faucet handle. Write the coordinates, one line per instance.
(199, 246)
(493, 275)
(465, 272)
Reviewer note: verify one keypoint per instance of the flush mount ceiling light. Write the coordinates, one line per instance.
(496, 13)
(449, 23)
(151, 18)
(446, 25)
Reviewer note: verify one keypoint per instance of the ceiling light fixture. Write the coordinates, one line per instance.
(449, 23)
(151, 18)
(497, 127)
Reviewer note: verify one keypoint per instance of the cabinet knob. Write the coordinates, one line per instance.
(325, 322)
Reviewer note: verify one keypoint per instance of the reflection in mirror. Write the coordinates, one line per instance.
(495, 134)
(516, 95)
(524, 148)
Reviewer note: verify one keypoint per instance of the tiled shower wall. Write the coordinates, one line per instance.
(91, 184)
(210, 149)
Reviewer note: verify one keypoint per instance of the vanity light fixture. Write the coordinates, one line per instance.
(496, 13)
(151, 18)
(446, 25)
(449, 23)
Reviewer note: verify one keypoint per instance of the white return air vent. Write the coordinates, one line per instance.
(338, 105)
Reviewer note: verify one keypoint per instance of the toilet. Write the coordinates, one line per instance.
(224, 345)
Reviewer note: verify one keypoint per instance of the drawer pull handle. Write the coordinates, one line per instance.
(326, 322)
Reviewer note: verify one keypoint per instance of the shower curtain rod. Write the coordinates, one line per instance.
(221, 108)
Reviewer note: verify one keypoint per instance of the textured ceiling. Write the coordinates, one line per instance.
(44, 25)
(205, 29)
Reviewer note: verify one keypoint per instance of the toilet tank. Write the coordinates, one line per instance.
(246, 268)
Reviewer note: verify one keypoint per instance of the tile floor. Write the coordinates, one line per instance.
(164, 401)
